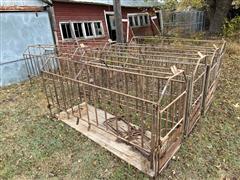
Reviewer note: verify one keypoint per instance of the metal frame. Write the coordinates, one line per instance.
(147, 112)
(150, 93)
(214, 65)
(195, 68)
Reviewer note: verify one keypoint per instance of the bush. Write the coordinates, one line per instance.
(232, 27)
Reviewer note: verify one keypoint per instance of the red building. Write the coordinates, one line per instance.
(94, 19)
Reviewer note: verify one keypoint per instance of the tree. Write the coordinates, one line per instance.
(198, 4)
(170, 5)
(218, 10)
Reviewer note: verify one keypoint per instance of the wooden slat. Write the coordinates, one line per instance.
(21, 8)
(109, 141)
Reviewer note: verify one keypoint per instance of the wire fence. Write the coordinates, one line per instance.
(184, 22)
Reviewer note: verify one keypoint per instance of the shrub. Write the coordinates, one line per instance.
(232, 27)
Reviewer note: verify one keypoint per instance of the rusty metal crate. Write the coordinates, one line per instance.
(139, 98)
(36, 56)
(164, 56)
(142, 109)
(186, 43)
(159, 49)
(146, 51)
(214, 49)
(194, 67)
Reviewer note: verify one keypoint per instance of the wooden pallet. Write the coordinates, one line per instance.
(108, 140)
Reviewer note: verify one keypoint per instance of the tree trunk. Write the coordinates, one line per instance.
(218, 10)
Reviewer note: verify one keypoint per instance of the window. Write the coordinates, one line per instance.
(146, 18)
(78, 30)
(141, 20)
(131, 20)
(83, 30)
(138, 20)
(66, 30)
(88, 29)
(98, 29)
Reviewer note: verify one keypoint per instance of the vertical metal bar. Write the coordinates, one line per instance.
(174, 113)
(86, 103)
(153, 135)
(127, 103)
(142, 123)
(80, 98)
(167, 118)
(72, 96)
(95, 104)
(205, 91)
(50, 91)
(136, 89)
(45, 89)
(63, 93)
(188, 106)
(56, 93)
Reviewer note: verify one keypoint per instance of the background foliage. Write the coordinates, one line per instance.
(232, 27)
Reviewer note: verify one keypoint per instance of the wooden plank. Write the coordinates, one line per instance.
(171, 151)
(21, 8)
(109, 141)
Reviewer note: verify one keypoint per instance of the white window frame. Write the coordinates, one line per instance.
(83, 30)
(60, 26)
(101, 26)
(105, 17)
(138, 19)
(72, 26)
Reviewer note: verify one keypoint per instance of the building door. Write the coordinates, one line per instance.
(111, 26)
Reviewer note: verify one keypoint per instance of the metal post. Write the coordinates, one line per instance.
(205, 91)
(118, 20)
(188, 106)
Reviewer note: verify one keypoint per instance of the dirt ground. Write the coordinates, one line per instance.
(32, 146)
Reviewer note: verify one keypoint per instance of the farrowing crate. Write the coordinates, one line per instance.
(184, 43)
(142, 110)
(213, 48)
(157, 52)
(195, 68)
(36, 56)
(148, 115)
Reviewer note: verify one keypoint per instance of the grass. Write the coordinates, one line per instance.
(32, 146)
